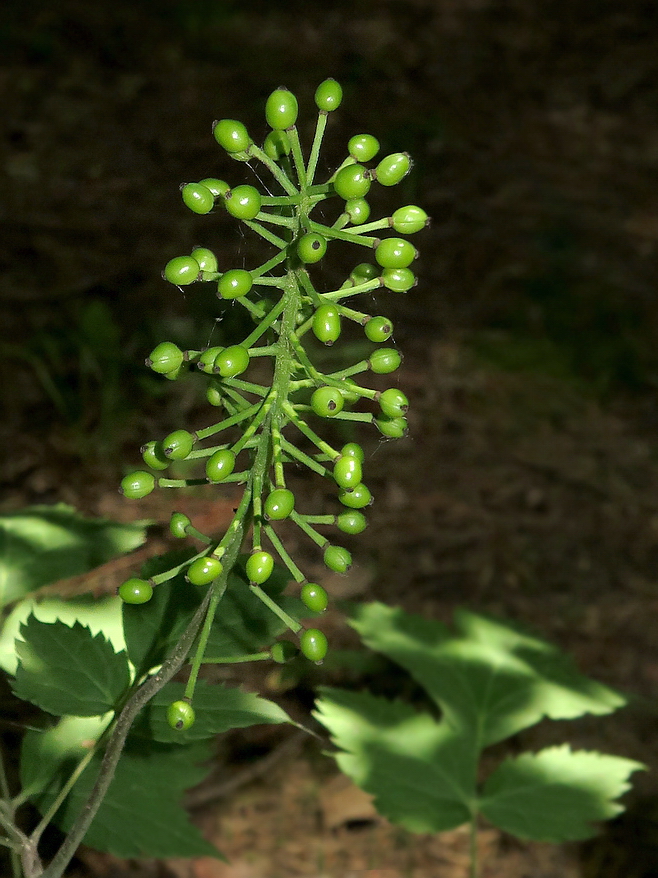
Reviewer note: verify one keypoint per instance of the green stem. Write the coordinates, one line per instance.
(344, 292)
(320, 126)
(304, 428)
(285, 183)
(274, 538)
(268, 266)
(231, 544)
(287, 620)
(297, 157)
(329, 232)
(293, 451)
(303, 524)
(113, 751)
(265, 323)
(265, 233)
(229, 422)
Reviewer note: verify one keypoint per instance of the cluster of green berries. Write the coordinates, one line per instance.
(251, 443)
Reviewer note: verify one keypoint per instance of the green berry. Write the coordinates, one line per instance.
(276, 145)
(398, 279)
(232, 361)
(279, 504)
(203, 570)
(137, 485)
(393, 402)
(352, 181)
(326, 324)
(395, 253)
(311, 248)
(181, 270)
(259, 566)
(197, 197)
(166, 357)
(283, 651)
(153, 455)
(357, 498)
(180, 716)
(243, 202)
(177, 445)
(327, 402)
(135, 591)
(351, 521)
(393, 168)
(281, 109)
(217, 187)
(409, 219)
(350, 395)
(347, 471)
(337, 558)
(392, 428)
(328, 95)
(378, 329)
(313, 644)
(220, 465)
(232, 135)
(214, 395)
(314, 597)
(358, 210)
(234, 283)
(206, 260)
(363, 147)
(353, 449)
(364, 271)
(384, 361)
(178, 525)
(206, 361)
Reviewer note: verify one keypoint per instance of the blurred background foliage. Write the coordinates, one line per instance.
(532, 126)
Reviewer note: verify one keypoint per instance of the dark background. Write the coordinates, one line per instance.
(528, 484)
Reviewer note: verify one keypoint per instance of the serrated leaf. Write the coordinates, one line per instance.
(242, 624)
(556, 795)
(48, 757)
(488, 676)
(66, 670)
(141, 815)
(151, 630)
(42, 544)
(97, 614)
(218, 709)
(418, 770)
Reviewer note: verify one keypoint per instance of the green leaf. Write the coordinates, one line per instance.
(141, 815)
(97, 614)
(42, 544)
(67, 670)
(556, 795)
(418, 770)
(151, 630)
(218, 709)
(49, 757)
(242, 625)
(488, 676)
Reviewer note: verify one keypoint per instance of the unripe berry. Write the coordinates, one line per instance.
(328, 95)
(281, 109)
(166, 357)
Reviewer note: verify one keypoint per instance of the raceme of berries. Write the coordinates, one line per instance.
(264, 424)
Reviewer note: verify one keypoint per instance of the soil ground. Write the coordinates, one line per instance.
(528, 484)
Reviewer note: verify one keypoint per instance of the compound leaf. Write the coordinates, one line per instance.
(488, 676)
(556, 795)
(48, 757)
(217, 709)
(42, 544)
(419, 771)
(67, 670)
(141, 815)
